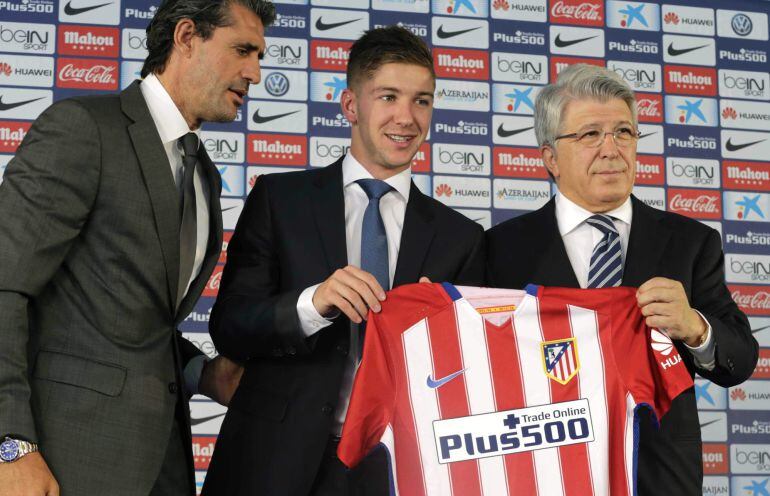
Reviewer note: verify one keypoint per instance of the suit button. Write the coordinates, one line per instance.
(730, 364)
(342, 350)
(326, 409)
(291, 350)
(172, 387)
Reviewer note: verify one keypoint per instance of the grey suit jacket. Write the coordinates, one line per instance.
(90, 359)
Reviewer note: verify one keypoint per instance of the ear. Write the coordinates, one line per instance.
(549, 159)
(184, 34)
(348, 104)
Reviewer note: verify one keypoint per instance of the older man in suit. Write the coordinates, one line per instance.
(312, 252)
(110, 226)
(594, 233)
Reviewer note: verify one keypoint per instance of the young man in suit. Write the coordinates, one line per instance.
(594, 233)
(312, 253)
(110, 226)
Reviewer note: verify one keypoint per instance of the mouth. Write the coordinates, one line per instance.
(240, 94)
(402, 140)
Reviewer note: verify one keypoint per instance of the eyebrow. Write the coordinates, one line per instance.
(252, 48)
(396, 90)
(596, 124)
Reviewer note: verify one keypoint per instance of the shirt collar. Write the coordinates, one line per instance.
(167, 117)
(352, 171)
(570, 215)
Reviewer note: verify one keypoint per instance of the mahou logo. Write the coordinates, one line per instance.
(212, 286)
(463, 64)
(11, 134)
(89, 41)
(695, 203)
(649, 107)
(582, 12)
(754, 176)
(558, 64)
(518, 162)
(202, 450)
(94, 74)
(421, 160)
(277, 149)
(752, 300)
(650, 170)
(714, 458)
(329, 55)
(689, 80)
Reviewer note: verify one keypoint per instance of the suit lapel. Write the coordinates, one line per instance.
(328, 208)
(214, 246)
(646, 244)
(158, 181)
(416, 237)
(553, 266)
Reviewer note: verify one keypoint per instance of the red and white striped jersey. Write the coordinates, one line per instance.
(480, 391)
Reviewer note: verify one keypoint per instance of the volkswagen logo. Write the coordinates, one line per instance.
(741, 24)
(277, 84)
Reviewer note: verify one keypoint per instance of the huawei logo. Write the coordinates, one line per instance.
(671, 18)
(661, 342)
(738, 394)
(5, 69)
(443, 190)
(729, 113)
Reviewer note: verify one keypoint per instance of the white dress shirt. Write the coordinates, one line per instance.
(171, 126)
(580, 238)
(392, 210)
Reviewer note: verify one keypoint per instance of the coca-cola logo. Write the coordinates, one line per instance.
(577, 12)
(695, 203)
(649, 108)
(751, 299)
(212, 286)
(100, 74)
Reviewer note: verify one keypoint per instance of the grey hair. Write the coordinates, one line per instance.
(576, 82)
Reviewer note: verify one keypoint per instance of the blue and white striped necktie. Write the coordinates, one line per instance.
(606, 269)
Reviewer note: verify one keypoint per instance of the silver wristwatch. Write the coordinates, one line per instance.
(12, 449)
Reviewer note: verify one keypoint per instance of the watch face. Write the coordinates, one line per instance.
(9, 450)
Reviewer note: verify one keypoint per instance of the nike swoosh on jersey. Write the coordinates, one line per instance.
(504, 133)
(8, 106)
(565, 43)
(451, 34)
(260, 119)
(71, 11)
(322, 26)
(733, 147)
(433, 384)
(681, 51)
(196, 421)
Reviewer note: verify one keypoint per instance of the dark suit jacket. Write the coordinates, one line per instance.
(90, 358)
(290, 236)
(529, 249)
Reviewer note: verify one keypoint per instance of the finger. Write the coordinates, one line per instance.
(659, 295)
(424, 279)
(662, 322)
(349, 295)
(656, 282)
(368, 279)
(348, 310)
(658, 309)
(361, 285)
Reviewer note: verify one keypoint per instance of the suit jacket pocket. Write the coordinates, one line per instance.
(260, 403)
(102, 377)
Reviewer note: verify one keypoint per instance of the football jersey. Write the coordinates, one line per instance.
(481, 391)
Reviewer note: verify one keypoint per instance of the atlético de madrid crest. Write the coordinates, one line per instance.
(560, 359)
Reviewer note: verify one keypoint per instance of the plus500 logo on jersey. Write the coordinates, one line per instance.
(633, 15)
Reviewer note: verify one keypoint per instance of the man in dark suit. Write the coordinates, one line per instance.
(110, 226)
(586, 127)
(312, 252)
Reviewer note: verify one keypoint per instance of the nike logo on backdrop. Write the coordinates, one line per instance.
(322, 26)
(504, 133)
(70, 10)
(732, 147)
(675, 52)
(9, 106)
(451, 34)
(196, 421)
(433, 384)
(565, 43)
(261, 119)
(709, 423)
(754, 331)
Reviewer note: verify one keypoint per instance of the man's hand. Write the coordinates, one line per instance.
(351, 291)
(664, 304)
(219, 379)
(27, 476)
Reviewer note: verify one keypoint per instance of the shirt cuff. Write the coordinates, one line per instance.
(309, 319)
(704, 354)
(192, 373)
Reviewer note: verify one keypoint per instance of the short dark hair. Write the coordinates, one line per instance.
(207, 16)
(386, 45)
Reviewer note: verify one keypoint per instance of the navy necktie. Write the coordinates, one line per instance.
(188, 228)
(374, 241)
(606, 269)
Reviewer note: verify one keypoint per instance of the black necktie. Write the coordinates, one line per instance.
(188, 228)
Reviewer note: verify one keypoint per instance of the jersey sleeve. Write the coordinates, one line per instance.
(648, 361)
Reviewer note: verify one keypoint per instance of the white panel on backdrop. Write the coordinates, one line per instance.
(324, 151)
(745, 144)
(28, 38)
(462, 191)
(571, 40)
(281, 84)
(90, 11)
(461, 159)
(517, 194)
(462, 95)
(26, 70)
(277, 117)
(338, 24)
(744, 114)
(521, 10)
(224, 147)
(416, 6)
(289, 53)
(520, 68)
(23, 103)
(688, 20)
(640, 76)
(133, 44)
(691, 50)
(483, 217)
(513, 130)
(460, 32)
(744, 84)
(742, 24)
(643, 16)
(652, 196)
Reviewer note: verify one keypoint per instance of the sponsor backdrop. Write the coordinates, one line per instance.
(700, 70)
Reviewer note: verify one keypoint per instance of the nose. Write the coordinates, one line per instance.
(403, 113)
(252, 72)
(609, 148)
